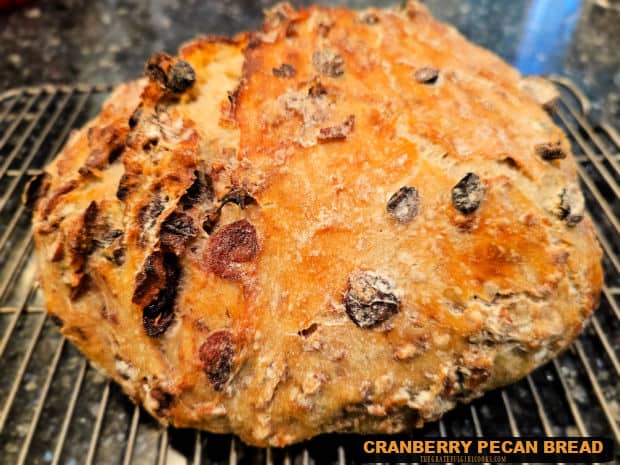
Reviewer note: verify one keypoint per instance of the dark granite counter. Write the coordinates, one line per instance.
(107, 41)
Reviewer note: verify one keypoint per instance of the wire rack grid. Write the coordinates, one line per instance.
(57, 409)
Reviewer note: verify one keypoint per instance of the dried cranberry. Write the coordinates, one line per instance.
(216, 355)
(231, 245)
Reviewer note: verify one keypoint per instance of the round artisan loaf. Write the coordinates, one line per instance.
(348, 221)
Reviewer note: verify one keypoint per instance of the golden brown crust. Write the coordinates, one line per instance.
(347, 221)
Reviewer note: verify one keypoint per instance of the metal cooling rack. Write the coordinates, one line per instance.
(56, 409)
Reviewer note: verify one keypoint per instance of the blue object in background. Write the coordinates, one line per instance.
(547, 32)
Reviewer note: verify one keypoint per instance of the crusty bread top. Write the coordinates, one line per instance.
(345, 221)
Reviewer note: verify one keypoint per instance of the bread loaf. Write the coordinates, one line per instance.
(346, 221)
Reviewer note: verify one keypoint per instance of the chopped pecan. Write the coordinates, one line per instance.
(370, 18)
(317, 90)
(328, 63)
(156, 285)
(285, 71)
(81, 243)
(149, 213)
(182, 77)
(36, 188)
(465, 380)
(370, 299)
(81, 288)
(103, 237)
(56, 320)
(126, 185)
(171, 73)
(134, 119)
(338, 132)
(56, 195)
(201, 191)
(468, 193)
(106, 144)
(176, 231)
(306, 332)
(164, 400)
(550, 151)
(150, 279)
(572, 205)
(118, 256)
(404, 204)
(238, 196)
(426, 75)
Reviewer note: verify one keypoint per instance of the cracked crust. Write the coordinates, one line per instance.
(337, 223)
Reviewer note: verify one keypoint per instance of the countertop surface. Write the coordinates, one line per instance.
(108, 41)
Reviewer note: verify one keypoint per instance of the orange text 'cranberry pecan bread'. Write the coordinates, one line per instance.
(347, 221)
